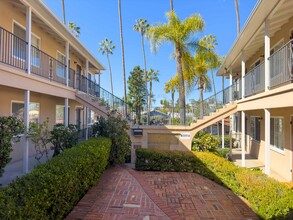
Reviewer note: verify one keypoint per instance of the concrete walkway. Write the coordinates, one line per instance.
(124, 193)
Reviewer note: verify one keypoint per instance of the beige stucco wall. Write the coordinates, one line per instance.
(279, 161)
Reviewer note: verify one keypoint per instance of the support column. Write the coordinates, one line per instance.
(86, 124)
(267, 55)
(26, 123)
(267, 140)
(87, 75)
(28, 38)
(243, 74)
(66, 113)
(223, 133)
(230, 84)
(67, 61)
(223, 87)
(243, 139)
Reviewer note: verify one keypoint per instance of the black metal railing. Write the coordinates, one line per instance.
(13, 50)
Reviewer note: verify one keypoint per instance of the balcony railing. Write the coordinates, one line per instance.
(12, 49)
(281, 65)
(255, 80)
(108, 99)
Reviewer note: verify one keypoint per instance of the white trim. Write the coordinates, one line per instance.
(274, 148)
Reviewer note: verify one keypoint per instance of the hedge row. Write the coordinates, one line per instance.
(269, 198)
(52, 189)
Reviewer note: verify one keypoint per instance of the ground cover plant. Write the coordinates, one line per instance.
(269, 198)
(52, 189)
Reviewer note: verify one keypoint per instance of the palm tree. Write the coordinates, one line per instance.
(179, 33)
(237, 16)
(63, 11)
(171, 5)
(152, 75)
(107, 48)
(74, 29)
(171, 86)
(122, 55)
(142, 26)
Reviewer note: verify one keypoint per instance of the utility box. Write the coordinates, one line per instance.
(137, 131)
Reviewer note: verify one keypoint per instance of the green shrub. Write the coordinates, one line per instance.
(117, 129)
(63, 137)
(9, 127)
(226, 142)
(269, 198)
(52, 189)
(204, 142)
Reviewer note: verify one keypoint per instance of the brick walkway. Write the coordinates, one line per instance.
(123, 193)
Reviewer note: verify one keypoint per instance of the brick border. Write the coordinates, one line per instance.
(153, 196)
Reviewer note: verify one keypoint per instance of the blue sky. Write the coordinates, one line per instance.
(98, 19)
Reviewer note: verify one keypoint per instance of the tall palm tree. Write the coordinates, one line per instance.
(179, 33)
(237, 16)
(74, 29)
(152, 76)
(63, 11)
(171, 5)
(142, 26)
(107, 48)
(171, 86)
(122, 54)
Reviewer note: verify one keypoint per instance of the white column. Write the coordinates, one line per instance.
(267, 140)
(243, 138)
(86, 124)
(87, 75)
(267, 55)
(67, 61)
(223, 133)
(230, 84)
(243, 74)
(66, 113)
(26, 123)
(28, 38)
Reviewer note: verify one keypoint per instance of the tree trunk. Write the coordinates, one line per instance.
(63, 12)
(150, 100)
(215, 94)
(122, 54)
(173, 106)
(111, 81)
(237, 16)
(201, 102)
(145, 78)
(181, 86)
(171, 5)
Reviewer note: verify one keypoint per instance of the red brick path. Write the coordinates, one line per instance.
(123, 193)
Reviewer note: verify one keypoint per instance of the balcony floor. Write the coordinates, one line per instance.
(251, 162)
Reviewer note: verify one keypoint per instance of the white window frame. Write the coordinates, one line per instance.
(274, 147)
(57, 67)
(32, 34)
(253, 134)
(22, 102)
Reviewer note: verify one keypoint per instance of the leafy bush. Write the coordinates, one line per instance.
(9, 127)
(52, 189)
(204, 142)
(227, 142)
(63, 137)
(117, 129)
(269, 198)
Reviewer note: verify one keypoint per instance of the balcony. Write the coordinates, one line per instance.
(255, 80)
(13, 52)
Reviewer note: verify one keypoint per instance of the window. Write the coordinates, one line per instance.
(60, 114)
(61, 67)
(34, 111)
(19, 45)
(277, 133)
(255, 128)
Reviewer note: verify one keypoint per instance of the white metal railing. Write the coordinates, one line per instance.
(281, 65)
(255, 80)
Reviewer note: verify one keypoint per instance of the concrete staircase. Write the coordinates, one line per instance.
(92, 102)
(214, 117)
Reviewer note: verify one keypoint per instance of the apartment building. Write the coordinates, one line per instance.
(46, 72)
(260, 68)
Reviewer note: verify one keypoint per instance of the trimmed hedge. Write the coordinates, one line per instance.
(52, 189)
(269, 198)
